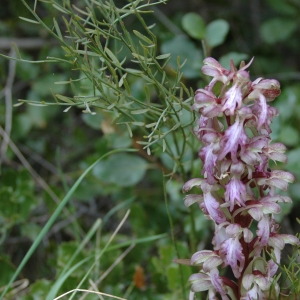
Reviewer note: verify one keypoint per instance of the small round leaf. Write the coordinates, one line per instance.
(216, 32)
(121, 169)
(194, 25)
(184, 48)
(235, 56)
(277, 30)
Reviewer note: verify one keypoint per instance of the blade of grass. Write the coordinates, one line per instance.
(116, 208)
(81, 246)
(54, 216)
(65, 272)
(173, 237)
(93, 285)
(87, 291)
(101, 253)
(138, 241)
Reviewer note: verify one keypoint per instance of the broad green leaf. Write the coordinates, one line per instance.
(7, 269)
(27, 73)
(38, 290)
(194, 25)
(93, 121)
(186, 50)
(22, 125)
(117, 140)
(277, 30)
(216, 32)
(173, 277)
(289, 97)
(166, 252)
(295, 192)
(45, 85)
(284, 7)
(235, 56)
(289, 136)
(39, 116)
(30, 230)
(66, 251)
(121, 169)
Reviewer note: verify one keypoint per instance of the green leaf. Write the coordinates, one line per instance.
(216, 32)
(52, 219)
(288, 98)
(277, 30)
(194, 25)
(7, 269)
(289, 136)
(134, 71)
(38, 290)
(283, 7)
(57, 29)
(139, 111)
(121, 169)
(64, 98)
(163, 56)
(29, 20)
(24, 71)
(112, 56)
(16, 50)
(173, 277)
(142, 37)
(45, 84)
(66, 251)
(60, 8)
(30, 230)
(293, 164)
(166, 253)
(235, 56)
(184, 47)
(93, 121)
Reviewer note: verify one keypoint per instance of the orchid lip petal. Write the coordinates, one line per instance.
(191, 183)
(233, 229)
(192, 198)
(201, 256)
(212, 263)
(213, 208)
(290, 239)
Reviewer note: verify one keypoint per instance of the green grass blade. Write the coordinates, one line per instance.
(82, 244)
(54, 216)
(173, 236)
(138, 241)
(116, 208)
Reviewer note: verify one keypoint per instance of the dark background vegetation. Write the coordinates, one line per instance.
(59, 146)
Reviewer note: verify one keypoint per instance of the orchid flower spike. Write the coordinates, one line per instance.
(238, 189)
